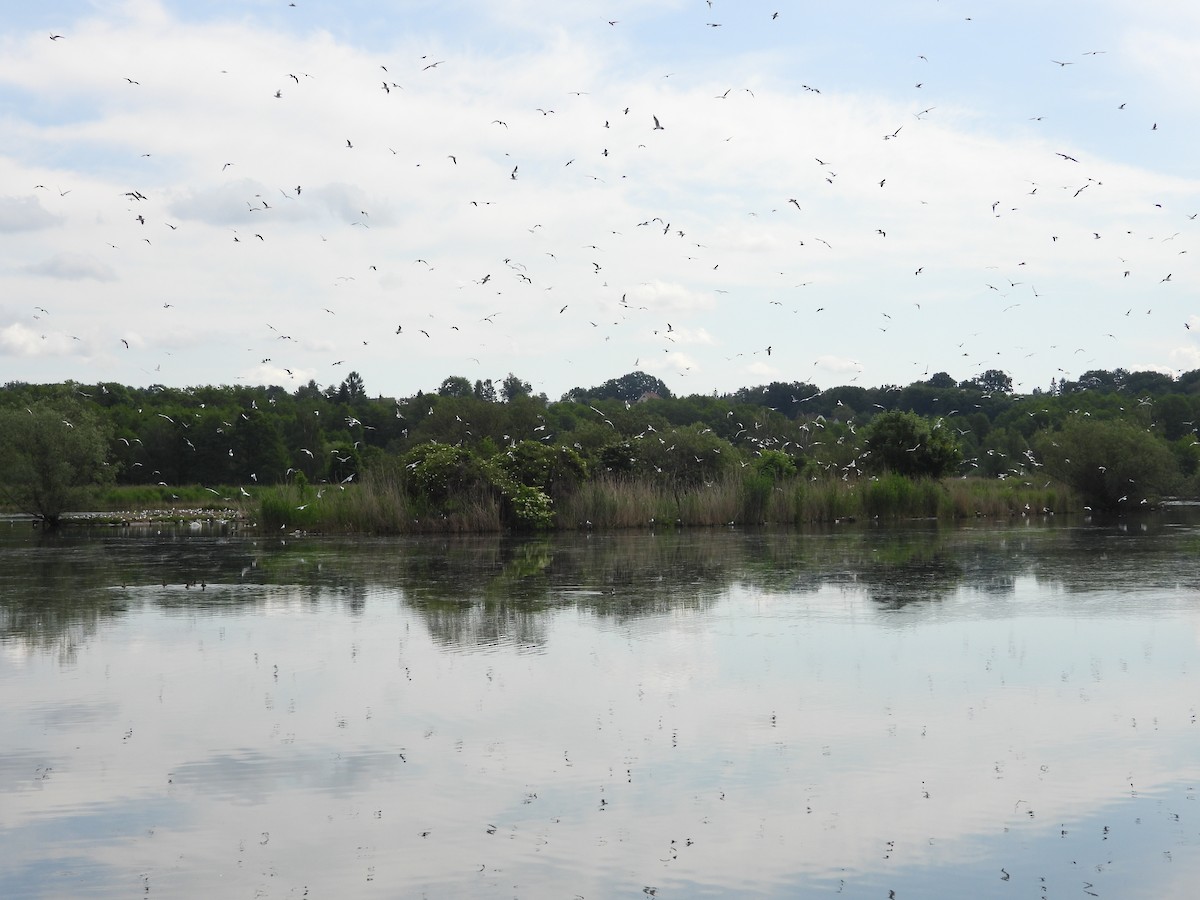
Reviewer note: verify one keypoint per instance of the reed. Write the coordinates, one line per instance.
(381, 504)
(378, 505)
(616, 501)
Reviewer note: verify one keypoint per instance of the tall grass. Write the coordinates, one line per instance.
(381, 505)
(622, 502)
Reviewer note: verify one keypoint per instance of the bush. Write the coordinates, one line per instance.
(907, 444)
(1114, 465)
(531, 509)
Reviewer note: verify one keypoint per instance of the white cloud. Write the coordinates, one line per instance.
(973, 194)
(661, 296)
(24, 214)
(19, 340)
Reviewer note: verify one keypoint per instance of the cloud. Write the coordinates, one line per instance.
(838, 364)
(662, 296)
(19, 340)
(24, 214)
(73, 267)
(691, 336)
(968, 188)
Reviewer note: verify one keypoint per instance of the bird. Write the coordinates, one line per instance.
(657, 124)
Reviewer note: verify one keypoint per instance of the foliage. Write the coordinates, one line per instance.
(531, 507)
(705, 455)
(513, 387)
(438, 472)
(553, 470)
(993, 381)
(51, 455)
(352, 389)
(907, 444)
(775, 464)
(630, 388)
(1114, 465)
(456, 386)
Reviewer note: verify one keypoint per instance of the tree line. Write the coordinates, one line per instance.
(1118, 437)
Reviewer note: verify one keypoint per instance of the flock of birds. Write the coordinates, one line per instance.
(541, 294)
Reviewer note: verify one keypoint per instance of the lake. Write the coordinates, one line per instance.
(909, 711)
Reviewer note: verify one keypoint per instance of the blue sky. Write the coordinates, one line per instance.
(962, 200)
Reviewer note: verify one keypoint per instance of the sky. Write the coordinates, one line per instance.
(719, 194)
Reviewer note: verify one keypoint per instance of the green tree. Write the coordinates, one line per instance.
(1114, 465)
(456, 386)
(630, 388)
(556, 470)
(352, 389)
(513, 387)
(908, 444)
(993, 381)
(50, 456)
(485, 390)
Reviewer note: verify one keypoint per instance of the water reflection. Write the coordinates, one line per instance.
(982, 711)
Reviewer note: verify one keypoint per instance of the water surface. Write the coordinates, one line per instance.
(982, 710)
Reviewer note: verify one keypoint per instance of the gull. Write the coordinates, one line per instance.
(657, 125)
(55, 37)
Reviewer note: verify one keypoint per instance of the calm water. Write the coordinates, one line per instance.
(990, 711)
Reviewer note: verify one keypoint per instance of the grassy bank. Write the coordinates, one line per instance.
(381, 505)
